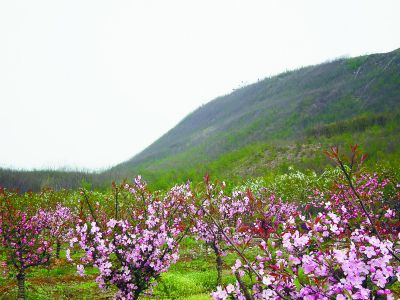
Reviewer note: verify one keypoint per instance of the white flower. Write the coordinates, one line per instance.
(230, 288)
(267, 280)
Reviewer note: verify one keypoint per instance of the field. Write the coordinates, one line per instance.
(333, 235)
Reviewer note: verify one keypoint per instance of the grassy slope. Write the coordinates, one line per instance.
(281, 120)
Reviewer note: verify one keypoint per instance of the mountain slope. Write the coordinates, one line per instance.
(279, 121)
(280, 109)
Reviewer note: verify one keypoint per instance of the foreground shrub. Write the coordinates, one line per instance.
(25, 237)
(339, 245)
(131, 253)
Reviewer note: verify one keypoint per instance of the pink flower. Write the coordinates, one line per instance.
(220, 294)
(81, 270)
(237, 265)
(230, 288)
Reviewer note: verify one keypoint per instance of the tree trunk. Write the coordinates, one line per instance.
(243, 287)
(218, 260)
(58, 249)
(138, 291)
(21, 285)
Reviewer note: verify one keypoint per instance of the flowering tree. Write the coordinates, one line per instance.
(61, 219)
(133, 251)
(25, 236)
(340, 245)
(218, 215)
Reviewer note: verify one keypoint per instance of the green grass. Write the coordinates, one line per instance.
(193, 277)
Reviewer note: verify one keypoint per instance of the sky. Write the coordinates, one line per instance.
(88, 84)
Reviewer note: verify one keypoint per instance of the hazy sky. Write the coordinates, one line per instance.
(89, 84)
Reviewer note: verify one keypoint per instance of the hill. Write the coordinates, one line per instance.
(277, 122)
(295, 112)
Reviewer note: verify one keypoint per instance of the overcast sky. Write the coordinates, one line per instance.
(88, 84)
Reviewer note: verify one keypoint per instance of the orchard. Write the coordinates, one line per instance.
(341, 240)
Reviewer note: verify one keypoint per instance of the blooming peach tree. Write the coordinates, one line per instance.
(25, 236)
(340, 245)
(130, 253)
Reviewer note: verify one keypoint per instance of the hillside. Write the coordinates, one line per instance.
(279, 121)
(287, 111)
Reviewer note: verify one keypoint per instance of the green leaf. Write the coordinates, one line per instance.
(297, 284)
(289, 270)
(279, 230)
(270, 247)
(302, 276)
(347, 293)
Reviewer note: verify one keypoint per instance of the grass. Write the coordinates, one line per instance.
(193, 277)
(58, 281)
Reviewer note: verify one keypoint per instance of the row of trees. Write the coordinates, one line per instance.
(341, 242)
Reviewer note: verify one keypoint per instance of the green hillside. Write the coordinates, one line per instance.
(282, 121)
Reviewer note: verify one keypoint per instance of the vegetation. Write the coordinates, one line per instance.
(347, 100)
(297, 235)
